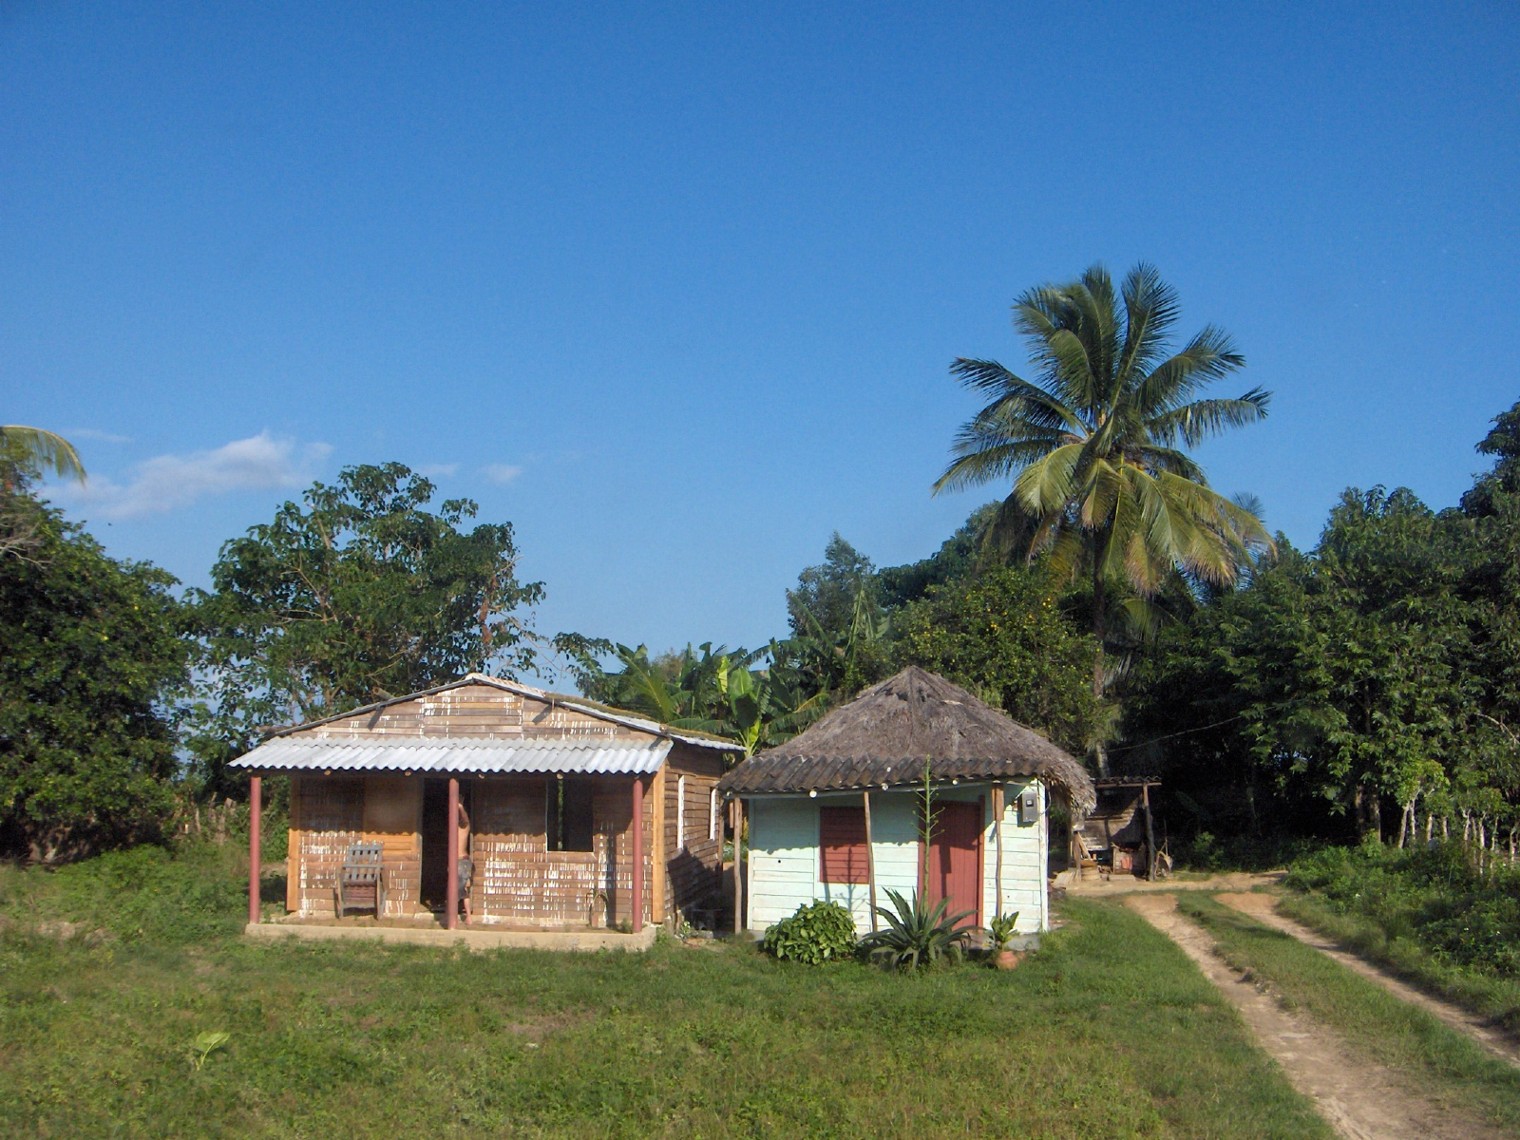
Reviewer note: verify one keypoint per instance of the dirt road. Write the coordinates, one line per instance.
(1361, 1100)
(1262, 908)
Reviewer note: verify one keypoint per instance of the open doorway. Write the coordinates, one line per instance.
(437, 834)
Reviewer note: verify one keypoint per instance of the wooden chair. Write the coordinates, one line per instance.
(361, 882)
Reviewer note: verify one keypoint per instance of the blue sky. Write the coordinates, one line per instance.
(674, 288)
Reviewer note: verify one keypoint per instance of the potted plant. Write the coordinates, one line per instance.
(1001, 931)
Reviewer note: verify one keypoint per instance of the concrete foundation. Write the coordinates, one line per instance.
(468, 937)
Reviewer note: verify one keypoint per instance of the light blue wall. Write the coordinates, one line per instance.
(784, 860)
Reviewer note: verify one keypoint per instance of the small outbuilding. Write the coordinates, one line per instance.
(565, 815)
(838, 813)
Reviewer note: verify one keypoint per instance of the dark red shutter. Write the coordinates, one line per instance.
(842, 845)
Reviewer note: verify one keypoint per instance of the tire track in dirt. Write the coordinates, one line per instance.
(1361, 1100)
(1263, 908)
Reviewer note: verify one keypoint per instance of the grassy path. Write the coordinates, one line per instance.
(1429, 1079)
(1361, 1101)
(1262, 908)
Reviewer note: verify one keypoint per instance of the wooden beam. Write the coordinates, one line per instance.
(1150, 834)
(293, 850)
(451, 892)
(661, 851)
(999, 806)
(638, 854)
(738, 865)
(255, 842)
(865, 800)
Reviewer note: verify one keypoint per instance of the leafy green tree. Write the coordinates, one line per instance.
(1339, 675)
(1002, 635)
(26, 453)
(825, 597)
(1503, 442)
(959, 556)
(1094, 445)
(358, 593)
(714, 690)
(1493, 590)
(94, 655)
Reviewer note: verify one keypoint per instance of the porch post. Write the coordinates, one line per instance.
(865, 801)
(1150, 835)
(638, 854)
(999, 808)
(255, 842)
(451, 895)
(738, 865)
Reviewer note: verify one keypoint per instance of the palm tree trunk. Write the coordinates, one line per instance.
(1100, 634)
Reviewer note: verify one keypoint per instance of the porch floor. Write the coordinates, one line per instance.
(428, 931)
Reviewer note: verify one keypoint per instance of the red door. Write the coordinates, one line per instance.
(955, 859)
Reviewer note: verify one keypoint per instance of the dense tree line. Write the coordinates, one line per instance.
(1368, 686)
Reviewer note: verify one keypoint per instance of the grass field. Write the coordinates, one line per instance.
(1438, 1062)
(111, 971)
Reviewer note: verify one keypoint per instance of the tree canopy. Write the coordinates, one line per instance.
(94, 660)
(357, 593)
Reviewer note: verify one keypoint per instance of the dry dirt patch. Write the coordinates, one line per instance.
(1360, 1099)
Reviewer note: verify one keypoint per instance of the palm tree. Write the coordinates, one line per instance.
(36, 449)
(1094, 444)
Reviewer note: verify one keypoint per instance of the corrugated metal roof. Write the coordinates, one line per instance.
(586, 756)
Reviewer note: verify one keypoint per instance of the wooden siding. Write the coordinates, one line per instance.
(784, 854)
(693, 880)
(517, 879)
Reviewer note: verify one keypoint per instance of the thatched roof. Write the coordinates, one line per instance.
(887, 734)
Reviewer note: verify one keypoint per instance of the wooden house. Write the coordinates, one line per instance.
(575, 815)
(838, 812)
(1119, 835)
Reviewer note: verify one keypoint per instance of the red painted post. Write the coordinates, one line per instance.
(451, 896)
(638, 854)
(255, 842)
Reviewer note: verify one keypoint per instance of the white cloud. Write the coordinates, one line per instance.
(501, 473)
(167, 482)
(96, 436)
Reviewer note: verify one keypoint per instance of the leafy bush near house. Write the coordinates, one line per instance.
(916, 934)
(817, 932)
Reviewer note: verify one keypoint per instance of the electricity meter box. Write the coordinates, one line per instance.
(1029, 806)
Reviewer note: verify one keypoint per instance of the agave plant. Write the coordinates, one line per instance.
(916, 934)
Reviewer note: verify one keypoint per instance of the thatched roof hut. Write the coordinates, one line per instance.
(886, 735)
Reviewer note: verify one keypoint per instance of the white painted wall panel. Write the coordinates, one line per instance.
(784, 862)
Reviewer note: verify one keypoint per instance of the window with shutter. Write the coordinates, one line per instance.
(842, 845)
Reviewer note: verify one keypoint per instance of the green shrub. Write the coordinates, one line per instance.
(148, 893)
(1001, 930)
(817, 932)
(916, 934)
(1434, 897)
